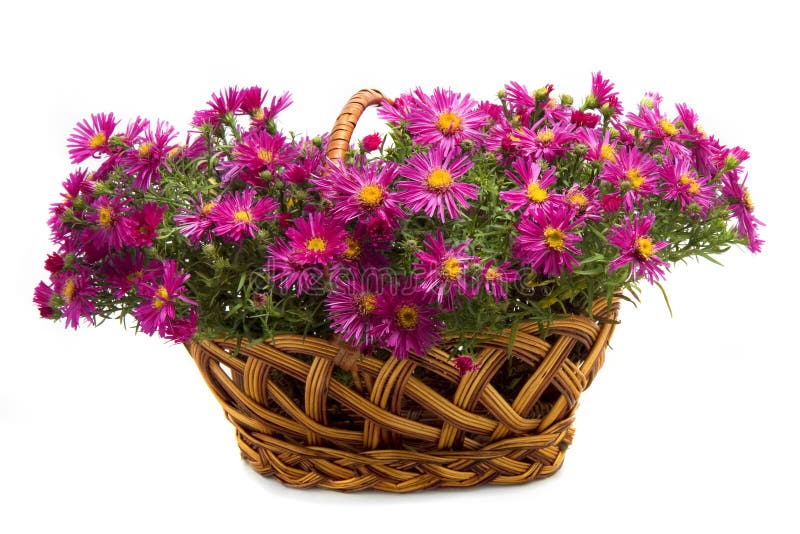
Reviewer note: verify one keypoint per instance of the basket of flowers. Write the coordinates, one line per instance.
(418, 309)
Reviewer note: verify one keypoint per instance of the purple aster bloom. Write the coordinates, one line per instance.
(260, 118)
(145, 160)
(702, 146)
(547, 242)
(445, 119)
(316, 238)
(495, 278)
(433, 185)
(126, 270)
(656, 126)
(288, 270)
(633, 173)
(637, 248)
(404, 320)
(359, 192)
(682, 183)
(157, 311)
(533, 194)
(599, 148)
(88, 140)
(442, 271)
(110, 223)
(546, 142)
(741, 206)
(194, 223)
(143, 224)
(351, 305)
(45, 298)
(465, 364)
(258, 151)
(228, 101)
(603, 95)
(237, 215)
(76, 290)
(584, 200)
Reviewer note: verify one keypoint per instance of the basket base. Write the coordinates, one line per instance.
(513, 461)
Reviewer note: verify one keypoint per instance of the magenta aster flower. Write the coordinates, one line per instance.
(730, 158)
(442, 271)
(145, 161)
(465, 364)
(126, 270)
(237, 215)
(685, 185)
(741, 206)
(702, 146)
(316, 238)
(496, 277)
(546, 142)
(110, 223)
(546, 241)
(583, 199)
(371, 142)
(351, 305)
(194, 223)
(599, 148)
(399, 110)
(227, 102)
(258, 151)
(88, 140)
(289, 270)
(583, 118)
(404, 320)
(54, 262)
(157, 311)
(143, 224)
(533, 194)
(46, 299)
(76, 291)
(181, 330)
(657, 127)
(433, 185)
(603, 95)
(633, 172)
(359, 192)
(445, 119)
(637, 248)
(260, 119)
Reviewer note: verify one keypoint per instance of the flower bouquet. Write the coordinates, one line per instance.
(418, 309)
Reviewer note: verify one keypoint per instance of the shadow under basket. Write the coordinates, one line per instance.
(313, 413)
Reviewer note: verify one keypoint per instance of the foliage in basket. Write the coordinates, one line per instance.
(468, 217)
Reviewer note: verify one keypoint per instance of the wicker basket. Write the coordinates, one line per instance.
(312, 412)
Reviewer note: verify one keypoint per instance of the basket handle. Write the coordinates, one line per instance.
(343, 128)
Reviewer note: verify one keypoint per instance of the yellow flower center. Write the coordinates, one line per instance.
(366, 303)
(545, 136)
(104, 216)
(448, 123)
(371, 195)
(644, 247)
(174, 152)
(207, 207)
(258, 114)
(451, 269)
(353, 251)
(536, 193)
(97, 140)
(144, 149)
(265, 155)
(694, 187)
(440, 180)
(243, 216)
(161, 297)
(315, 244)
(69, 290)
(554, 238)
(607, 153)
(579, 199)
(132, 277)
(747, 200)
(492, 273)
(407, 316)
(636, 180)
(668, 128)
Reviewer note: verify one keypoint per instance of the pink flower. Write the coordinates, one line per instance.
(237, 215)
(88, 140)
(54, 262)
(227, 102)
(76, 290)
(633, 172)
(603, 94)
(657, 127)
(741, 206)
(145, 161)
(45, 298)
(262, 119)
(126, 270)
(495, 278)
(442, 271)
(465, 364)
(404, 320)
(110, 223)
(546, 241)
(360, 192)
(351, 309)
(637, 248)
(316, 238)
(433, 185)
(143, 224)
(533, 194)
(371, 142)
(543, 141)
(445, 119)
(600, 148)
(289, 269)
(194, 223)
(258, 151)
(685, 185)
(611, 203)
(581, 118)
(157, 312)
(583, 200)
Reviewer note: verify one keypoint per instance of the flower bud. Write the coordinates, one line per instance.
(646, 102)
(371, 142)
(566, 100)
(590, 102)
(467, 145)
(501, 93)
(317, 141)
(611, 203)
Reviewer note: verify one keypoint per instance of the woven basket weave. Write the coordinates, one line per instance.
(402, 426)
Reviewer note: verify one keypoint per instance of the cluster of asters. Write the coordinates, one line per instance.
(333, 229)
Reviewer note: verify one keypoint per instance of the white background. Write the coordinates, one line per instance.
(692, 424)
